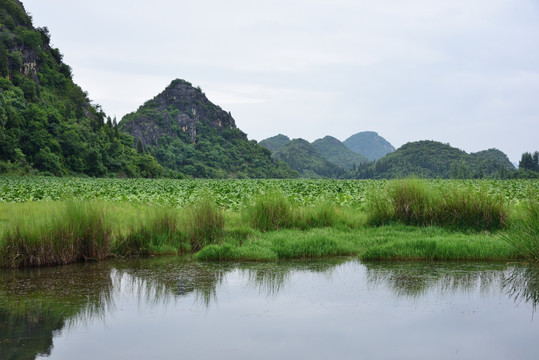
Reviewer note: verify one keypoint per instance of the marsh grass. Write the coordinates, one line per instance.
(159, 232)
(66, 233)
(414, 202)
(270, 211)
(523, 232)
(205, 224)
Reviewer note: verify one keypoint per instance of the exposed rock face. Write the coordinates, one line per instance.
(179, 107)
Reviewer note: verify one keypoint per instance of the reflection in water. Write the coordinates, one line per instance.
(414, 279)
(37, 304)
(522, 284)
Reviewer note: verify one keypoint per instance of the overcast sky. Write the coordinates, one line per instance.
(464, 72)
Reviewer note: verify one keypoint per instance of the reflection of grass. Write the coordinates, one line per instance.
(415, 279)
(522, 284)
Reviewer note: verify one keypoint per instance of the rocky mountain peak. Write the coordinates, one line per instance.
(179, 106)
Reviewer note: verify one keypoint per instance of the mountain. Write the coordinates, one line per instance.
(496, 156)
(369, 144)
(274, 143)
(304, 158)
(336, 152)
(48, 124)
(432, 159)
(189, 134)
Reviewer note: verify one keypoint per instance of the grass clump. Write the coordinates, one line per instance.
(523, 232)
(158, 233)
(66, 233)
(270, 211)
(399, 242)
(205, 224)
(414, 202)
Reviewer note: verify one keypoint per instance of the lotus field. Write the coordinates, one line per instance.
(232, 194)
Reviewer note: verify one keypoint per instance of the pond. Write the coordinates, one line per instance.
(169, 308)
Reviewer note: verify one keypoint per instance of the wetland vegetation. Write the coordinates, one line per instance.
(52, 221)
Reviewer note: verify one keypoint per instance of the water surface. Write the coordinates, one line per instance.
(168, 308)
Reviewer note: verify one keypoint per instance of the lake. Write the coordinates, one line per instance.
(172, 307)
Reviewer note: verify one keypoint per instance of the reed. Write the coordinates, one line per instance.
(270, 211)
(158, 233)
(68, 232)
(523, 232)
(414, 202)
(205, 224)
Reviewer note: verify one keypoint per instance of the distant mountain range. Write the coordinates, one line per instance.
(48, 125)
(422, 159)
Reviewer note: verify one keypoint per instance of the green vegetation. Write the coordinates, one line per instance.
(432, 159)
(266, 220)
(274, 143)
(369, 144)
(48, 125)
(304, 158)
(193, 137)
(58, 234)
(412, 202)
(523, 232)
(336, 152)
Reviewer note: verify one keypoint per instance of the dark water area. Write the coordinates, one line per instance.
(171, 308)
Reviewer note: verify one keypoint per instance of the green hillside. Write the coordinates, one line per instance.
(47, 123)
(334, 151)
(495, 156)
(189, 134)
(274, 143)
(369, 144)
(304, 158)
(431, 159)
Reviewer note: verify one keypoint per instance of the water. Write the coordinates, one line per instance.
(171, 308)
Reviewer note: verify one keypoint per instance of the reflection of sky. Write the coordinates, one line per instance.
(313, 316)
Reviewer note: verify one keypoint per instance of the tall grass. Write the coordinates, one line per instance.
(523, 233)
(270, 211)
(205, 224)
(414, 202)
(158, 233)
(69, 232)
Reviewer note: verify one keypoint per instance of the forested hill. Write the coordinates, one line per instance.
(369, 144)
(47, 122)
(431, 159)
(274, 143)
(303, 157)
(189, 134)
(336, 152)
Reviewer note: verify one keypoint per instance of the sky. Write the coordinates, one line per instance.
(463, 72)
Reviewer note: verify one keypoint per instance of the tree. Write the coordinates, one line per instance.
(529, 161)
